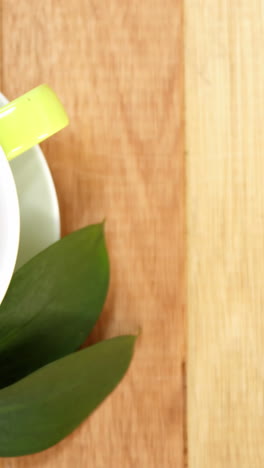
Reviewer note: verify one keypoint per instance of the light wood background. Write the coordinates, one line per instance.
(117, 66)
(224, 69)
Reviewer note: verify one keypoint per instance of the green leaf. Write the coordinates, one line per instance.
(44, 407)
(53, 303)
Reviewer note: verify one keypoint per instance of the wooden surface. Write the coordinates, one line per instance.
(224, 69)
(117, 66)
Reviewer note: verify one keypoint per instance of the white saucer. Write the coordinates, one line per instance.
(39, 209)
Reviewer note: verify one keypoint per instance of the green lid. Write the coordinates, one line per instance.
(30, 119)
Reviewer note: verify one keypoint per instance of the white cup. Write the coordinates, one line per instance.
(24, 123)
(9, 224)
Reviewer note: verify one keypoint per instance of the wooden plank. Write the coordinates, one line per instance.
(224, 59)
(118, 68)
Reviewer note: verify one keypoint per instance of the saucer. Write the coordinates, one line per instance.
(38, 203)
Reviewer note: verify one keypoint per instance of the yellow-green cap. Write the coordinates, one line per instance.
(30, 119)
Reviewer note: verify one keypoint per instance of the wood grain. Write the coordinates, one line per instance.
(224, 60)
(117, 66)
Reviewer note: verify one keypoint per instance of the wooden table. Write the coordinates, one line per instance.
(185, 213)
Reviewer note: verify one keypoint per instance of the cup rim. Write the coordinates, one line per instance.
(9, 224)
